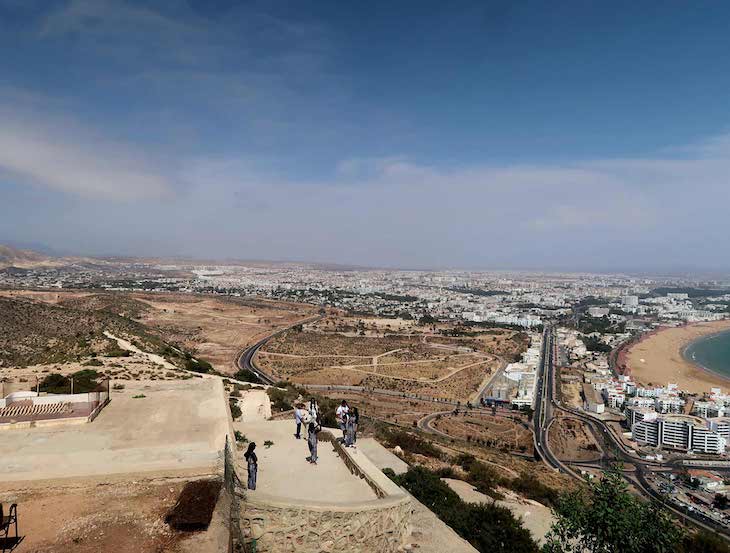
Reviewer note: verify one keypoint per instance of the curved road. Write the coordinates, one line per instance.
(545, 405)
(614, 450)
(245, 357)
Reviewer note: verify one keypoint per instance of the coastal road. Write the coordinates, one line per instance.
(637, 470)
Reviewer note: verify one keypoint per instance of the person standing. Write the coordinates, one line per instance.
(341, 415)
(349, 430)
(298, 420)
(314, 409)
(313, 430)
(252, 463)
(356, 416)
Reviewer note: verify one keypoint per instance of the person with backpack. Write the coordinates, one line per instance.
(252, 464)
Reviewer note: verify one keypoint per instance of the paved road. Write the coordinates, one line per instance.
(245, 359)
(636, 469)
(544, 416)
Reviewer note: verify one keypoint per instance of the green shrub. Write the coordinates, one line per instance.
(240, 437)
(410, 443)
(55, 384)
(282, 399)
(246, 376)
(487, 527)
(529, 486)
(235, 409)
(198, 365)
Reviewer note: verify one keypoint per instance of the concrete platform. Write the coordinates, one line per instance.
(381, 456)
(284, 472)
(177, 427)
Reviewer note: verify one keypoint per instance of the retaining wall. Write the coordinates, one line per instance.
(295, 527)
(381, 525)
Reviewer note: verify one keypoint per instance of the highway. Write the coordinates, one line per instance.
(545, 408)
(244, 360)
(613, 449)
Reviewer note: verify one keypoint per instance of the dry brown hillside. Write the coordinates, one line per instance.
(35, 332)
(13, 257)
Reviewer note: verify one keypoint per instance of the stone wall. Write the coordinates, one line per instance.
(380, 526)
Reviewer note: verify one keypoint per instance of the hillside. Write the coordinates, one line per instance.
(36, 333)
(24, 259)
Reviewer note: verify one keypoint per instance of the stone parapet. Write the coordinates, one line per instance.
(276, 525)
(279, 524)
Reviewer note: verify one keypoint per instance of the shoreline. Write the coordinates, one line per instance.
(709, 336)
(658, 357)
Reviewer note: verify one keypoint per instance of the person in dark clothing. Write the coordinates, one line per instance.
(349, 430)
(253, 465)
(356, 416)
(313, 430)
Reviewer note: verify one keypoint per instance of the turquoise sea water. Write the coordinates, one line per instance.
(712, 353)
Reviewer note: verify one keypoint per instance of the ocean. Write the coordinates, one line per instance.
(711, 352)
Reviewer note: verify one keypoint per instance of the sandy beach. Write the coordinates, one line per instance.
(657, 358)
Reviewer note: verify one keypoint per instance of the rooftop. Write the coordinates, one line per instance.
(153, 426)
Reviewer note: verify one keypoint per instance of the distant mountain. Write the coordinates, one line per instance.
(23, 259)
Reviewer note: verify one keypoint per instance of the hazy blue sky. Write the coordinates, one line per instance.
(586, 135)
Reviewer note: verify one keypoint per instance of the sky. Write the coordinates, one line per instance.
(578, 135)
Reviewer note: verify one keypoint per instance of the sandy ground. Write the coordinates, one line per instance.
(430, 535)
(571, 440)
(217, 328)
(535, 516)
(657, 359)
(284, 463)
(123, 517)
(174, 426)
(380, 456)
(255, 406)
(214, 328)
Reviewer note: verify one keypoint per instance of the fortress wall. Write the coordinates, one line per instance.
(382, 525)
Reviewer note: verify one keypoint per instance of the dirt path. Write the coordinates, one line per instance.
(153, 357)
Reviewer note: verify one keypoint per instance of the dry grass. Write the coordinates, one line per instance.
(502, 432)
(571, 440)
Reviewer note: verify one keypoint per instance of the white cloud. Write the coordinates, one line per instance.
(60, 154)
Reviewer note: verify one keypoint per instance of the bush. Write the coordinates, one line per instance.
(235, 409)
(487, 527)
(198, 365)
(411, 444)
(55, 384)
(246, 376)
(529, 486)
(283, 399)
(93, 363)
(85, 381)
(240, 437)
